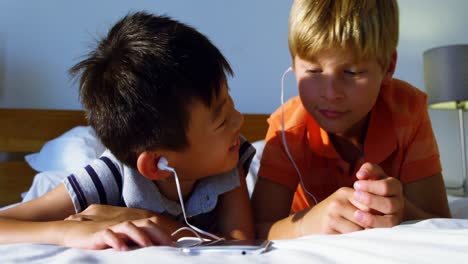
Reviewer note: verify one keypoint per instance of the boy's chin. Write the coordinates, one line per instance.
(232, 165)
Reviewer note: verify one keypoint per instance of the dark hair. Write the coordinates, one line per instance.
(139, 82)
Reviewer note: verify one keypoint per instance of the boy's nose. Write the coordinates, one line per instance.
(332, 89)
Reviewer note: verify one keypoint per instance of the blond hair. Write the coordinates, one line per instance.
(369, 28)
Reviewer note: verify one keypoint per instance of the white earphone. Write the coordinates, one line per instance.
(163, 164)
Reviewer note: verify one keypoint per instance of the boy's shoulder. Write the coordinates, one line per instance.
(402, 98)
(295, 115)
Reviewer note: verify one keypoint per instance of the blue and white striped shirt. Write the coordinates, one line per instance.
(108, 181)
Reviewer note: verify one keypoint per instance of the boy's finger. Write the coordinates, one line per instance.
(359, 205)
(374, 221)
(344, 221)
(133, 233)
(108, 238)
(387, 187)
(341, 221)
(155, 233)
(370, 171)
(344, 225)
(381, 204)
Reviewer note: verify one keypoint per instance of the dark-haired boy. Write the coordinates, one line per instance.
(152, 88)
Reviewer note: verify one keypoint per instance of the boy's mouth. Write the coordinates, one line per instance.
(331, 114)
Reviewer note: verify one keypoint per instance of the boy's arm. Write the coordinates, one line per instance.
(40, 221)
(87, 235)
(426, 198)
(101, 212)
(272, 203)
(26, 222)
(235, 213)
(54, 205)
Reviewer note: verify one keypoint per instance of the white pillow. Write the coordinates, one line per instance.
(43, 183)
(251, 178)
(68, 152)
(458, 206)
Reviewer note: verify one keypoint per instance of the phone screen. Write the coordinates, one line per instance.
(242, 247)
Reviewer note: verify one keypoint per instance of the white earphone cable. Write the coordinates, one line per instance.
(190, 227)
(283, 137)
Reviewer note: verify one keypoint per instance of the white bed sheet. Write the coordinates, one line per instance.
(429, 241)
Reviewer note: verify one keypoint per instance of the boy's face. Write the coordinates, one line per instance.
(339, 91)
(213, 137)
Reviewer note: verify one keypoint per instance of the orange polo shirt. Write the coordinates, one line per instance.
(399, 139)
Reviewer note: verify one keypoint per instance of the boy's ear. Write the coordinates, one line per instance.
(388, 75)
(147, 165)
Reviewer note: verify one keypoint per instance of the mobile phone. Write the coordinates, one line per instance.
(241, 247)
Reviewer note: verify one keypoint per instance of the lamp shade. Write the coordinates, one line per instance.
(446, 76)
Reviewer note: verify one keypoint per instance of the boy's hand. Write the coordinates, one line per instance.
(100, 212)
(113, 215)
(334, 215)
(107, 234)
(379, 197)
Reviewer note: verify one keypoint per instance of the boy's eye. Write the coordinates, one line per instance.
(222, 124)
(313, 71)
(352, 73)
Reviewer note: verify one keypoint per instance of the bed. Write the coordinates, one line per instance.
(37, 147)
(25, 131)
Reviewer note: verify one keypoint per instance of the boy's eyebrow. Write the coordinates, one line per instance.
(217, 109)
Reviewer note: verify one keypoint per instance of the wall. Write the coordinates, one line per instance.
(40, 40)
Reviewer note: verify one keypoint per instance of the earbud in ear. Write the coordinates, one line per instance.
(289, 69)
(163, 164)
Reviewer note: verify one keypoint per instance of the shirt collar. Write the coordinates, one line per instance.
(381, 139)
(140, 192)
